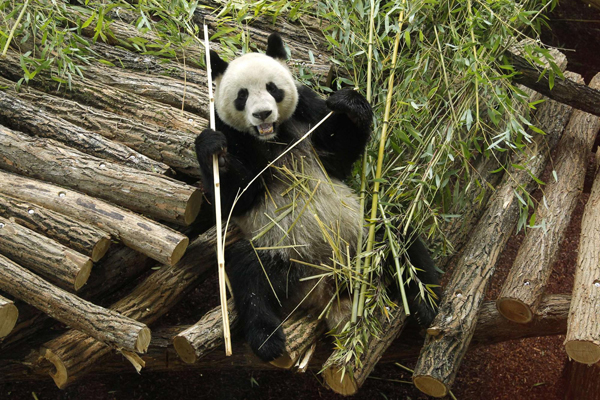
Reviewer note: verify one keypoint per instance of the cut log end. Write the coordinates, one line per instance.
(143, 340)
(286, 361)
(346, 385)
(430, 386)
(583, 351)
(60, 374)
(83, 275)
(193, 207)
(514, 310)
(100, 249)
(8, 318)
(184, 349)
(179, 251)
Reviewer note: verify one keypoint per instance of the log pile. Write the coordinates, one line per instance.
(111, 160)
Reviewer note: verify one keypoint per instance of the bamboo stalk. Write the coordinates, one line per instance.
(384, 129)
(216, 178)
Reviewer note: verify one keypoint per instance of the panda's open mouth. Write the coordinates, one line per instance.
(265, 129)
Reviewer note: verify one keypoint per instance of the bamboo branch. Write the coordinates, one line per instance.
(142, 234)
(104, 325)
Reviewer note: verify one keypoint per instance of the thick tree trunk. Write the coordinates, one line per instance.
(583, 335)
(451, 332)
(574, 94)
(26, 117)
(8, 316)
(104, 97)
(145, 192)
(63, 266)
(531, 270)
(346, 377)
(172, 147)
(81, 237)
(75, 353)
(142, 234)
(205, 335)
(105, 325)
(551, 319)
(120, 266)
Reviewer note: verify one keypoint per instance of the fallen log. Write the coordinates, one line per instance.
(142, 234)
(582, 342)
(531, 270)
(63, 266)
(347, 381)
(8, 316)
(120, 266)
(91, 93)
(75, 353)
(105, 325)
(172, 147)
(205, 335)
(450, 334)
(145, 192)
(301, 332)
(550, 319)
(566, 91)
(79, 236)
(29, 118)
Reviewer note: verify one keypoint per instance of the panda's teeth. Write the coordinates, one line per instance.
(265, 129)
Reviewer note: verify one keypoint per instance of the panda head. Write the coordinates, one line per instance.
(256, 92)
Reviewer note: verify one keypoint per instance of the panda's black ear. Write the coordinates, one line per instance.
(217, 65)
(275, 47)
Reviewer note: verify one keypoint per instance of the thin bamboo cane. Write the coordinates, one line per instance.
(220, 250)
(384, 129)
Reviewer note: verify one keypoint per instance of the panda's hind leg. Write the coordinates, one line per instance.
(255, 301)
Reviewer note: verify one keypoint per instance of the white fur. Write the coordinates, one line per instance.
(252, 72)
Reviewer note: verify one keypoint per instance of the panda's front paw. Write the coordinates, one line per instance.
(209, 143)
(353, 104)
(266, 340)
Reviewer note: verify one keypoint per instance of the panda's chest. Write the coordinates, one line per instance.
(303, 213)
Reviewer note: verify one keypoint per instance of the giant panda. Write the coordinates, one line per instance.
(298, 218)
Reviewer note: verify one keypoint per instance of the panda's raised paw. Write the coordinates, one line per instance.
(351, 103)
(211, 142)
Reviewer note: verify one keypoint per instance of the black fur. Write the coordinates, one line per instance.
(275, 47)
(240, 101)
(217, 65)
(339, 142)
(278, 94)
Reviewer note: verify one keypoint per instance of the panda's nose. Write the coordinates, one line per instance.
(262, 115)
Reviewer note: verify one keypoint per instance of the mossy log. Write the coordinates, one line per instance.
(63, 266)
(142, 234)
(550, 319)
(120, 266)
(526, 282)
(8, 316)
(450, 334)
(172, 147)
(104, 325)
(79, 236)
(104, 97)
(145, 192)
(27, 117)
(75, 353)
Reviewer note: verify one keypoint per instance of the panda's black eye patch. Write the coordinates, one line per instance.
(240, 101)
(278, 94)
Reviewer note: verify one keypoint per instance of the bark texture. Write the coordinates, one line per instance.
(145, 192)
(75, 353)
(105, 325)
(451, 332)
(8, 316)
(20, 115)
(65, 267)
(172, 147)
(142, 234)
(79, 236)
(531, 270)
